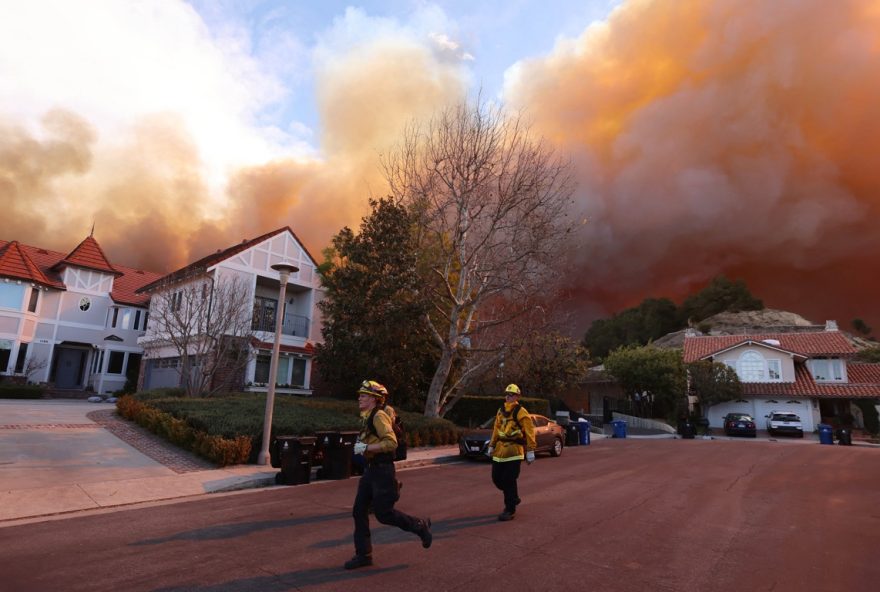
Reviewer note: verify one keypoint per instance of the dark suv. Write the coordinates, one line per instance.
(740, 424)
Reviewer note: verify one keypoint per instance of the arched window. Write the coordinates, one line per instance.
(751, 367)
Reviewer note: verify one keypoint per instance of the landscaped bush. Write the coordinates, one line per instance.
(223, 451)
(869, 415)
(21, 391)
(472, 411)
(240, 416)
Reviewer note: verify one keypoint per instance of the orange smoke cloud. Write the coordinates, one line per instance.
(711, 136)
(146, 190)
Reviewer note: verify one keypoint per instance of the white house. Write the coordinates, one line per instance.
(248, 264)
(807, 373)
(71, 321)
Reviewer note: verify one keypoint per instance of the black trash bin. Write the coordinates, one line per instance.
(571, 435)
(687, 430)
(844, 437)
(337, 455)
(295, 454)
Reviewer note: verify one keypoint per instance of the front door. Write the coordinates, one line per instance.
(70, 368)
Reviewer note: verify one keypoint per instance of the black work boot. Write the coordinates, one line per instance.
(505, 516)
(424, 532)
(359, 561)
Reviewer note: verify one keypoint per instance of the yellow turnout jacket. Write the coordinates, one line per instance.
(509, 439)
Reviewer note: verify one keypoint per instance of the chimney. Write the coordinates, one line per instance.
(831, 325)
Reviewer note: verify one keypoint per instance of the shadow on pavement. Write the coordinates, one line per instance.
(228, 531)
(283, 582)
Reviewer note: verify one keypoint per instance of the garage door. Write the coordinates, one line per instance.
(717, 412)
(160, 374)
(799, 407)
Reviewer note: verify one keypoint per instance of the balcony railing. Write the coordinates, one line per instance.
(296, 325)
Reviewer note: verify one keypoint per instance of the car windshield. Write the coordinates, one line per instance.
(739, 417)
(786, 417)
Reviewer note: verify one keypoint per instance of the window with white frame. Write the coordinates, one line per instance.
(826, 369)
(753, 367)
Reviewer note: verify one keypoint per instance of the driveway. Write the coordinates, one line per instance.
(46, 445)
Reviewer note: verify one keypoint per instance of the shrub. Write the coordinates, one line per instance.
(869, 415)
(220, 450)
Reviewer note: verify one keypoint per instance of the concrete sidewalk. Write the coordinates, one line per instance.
(55, 460)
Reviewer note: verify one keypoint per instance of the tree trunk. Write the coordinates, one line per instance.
(435, 391)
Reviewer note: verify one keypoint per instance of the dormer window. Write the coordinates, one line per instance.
(826, 369)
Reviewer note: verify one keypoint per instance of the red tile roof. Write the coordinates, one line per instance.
(87, 254)
(15, 263)
(805, 386)
(47, 263)
(200, 266)
(820, 343)
(863, 373)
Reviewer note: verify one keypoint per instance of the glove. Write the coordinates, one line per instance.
(490, 450)
(530, 456)
(360, 447)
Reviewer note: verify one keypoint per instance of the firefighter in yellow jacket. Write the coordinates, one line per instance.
(378, 485)
(513, 440)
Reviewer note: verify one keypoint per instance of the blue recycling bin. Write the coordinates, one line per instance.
(619, 427)
(825, 434)
(583, 432)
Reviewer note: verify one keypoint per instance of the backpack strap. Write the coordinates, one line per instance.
(514, 414)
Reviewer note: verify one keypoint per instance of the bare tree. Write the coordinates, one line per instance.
(32, 365)
(209, 325)
(491, 203)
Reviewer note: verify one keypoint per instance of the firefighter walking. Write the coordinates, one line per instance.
(513, 440)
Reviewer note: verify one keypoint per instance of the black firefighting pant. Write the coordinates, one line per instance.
(504, 476)
(379, 486)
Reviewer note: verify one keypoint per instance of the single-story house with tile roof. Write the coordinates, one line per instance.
(250, 264)
(807, 373)
(72, 320)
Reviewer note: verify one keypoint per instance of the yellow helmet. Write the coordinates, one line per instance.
(371, 387)
(512, 388)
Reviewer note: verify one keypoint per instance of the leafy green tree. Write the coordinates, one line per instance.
(653, 318)
(372, 315)
(721, 295)
(713, 383)
(650, 371)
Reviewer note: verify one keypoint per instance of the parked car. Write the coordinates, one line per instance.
(549, 437)
(783, 422)
(740, 424)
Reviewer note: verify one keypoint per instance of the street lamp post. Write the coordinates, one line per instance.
(284, 270)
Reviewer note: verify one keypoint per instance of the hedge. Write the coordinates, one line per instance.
(21, 391)
(241, 416)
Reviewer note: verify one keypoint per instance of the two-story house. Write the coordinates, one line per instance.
(189, 292)
(71, 321)
(807, 373)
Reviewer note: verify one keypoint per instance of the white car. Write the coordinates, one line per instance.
(784, 422)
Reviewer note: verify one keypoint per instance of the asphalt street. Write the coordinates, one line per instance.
(668, 515)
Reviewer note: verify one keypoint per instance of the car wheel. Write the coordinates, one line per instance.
(556, 450)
